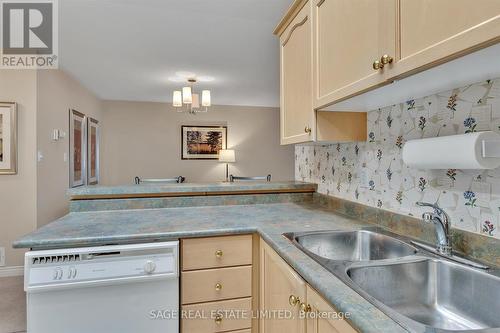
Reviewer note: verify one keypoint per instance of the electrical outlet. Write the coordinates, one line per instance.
(2, 256)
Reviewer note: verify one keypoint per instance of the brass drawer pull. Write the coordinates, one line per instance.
(377, 65)
(308, 130)
(386, 59)
(305, 307)
(293, 300)
(218, 253)
(218, 319)
(218, 287)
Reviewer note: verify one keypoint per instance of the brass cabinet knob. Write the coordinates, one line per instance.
(293, 300)
(377, 65)
(218, 319)
(308, 130)
(218, 253)
(218, 287)
(305, 307)
(386, 59)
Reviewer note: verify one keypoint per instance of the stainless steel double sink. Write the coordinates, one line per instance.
(418, 289)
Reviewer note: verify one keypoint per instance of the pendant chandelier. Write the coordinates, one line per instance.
(186, 100)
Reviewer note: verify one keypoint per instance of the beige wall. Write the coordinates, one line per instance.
(139, 138)
(144, 139)
(18, 192)
(57, 93)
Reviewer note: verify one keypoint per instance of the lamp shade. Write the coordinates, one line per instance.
(196, 101)
(187, 97)
(206, 99)
(177, 99)
(227, 156)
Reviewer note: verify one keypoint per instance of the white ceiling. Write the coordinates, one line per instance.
(128, 49)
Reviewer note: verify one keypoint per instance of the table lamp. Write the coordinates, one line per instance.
(227, 156)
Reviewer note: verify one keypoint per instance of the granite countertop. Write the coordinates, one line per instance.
(269, 220)
(189, 188)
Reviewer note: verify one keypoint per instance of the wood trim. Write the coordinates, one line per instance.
(185, 194)
(255, 280)
(290, 14)
(292, 29)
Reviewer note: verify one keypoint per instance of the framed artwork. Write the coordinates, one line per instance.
(77, 148)
(203, 142)
(93, 133)
(8, 138)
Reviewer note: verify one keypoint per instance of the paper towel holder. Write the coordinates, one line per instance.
(491, 148)
(477, 150)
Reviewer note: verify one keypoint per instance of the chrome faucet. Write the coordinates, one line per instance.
(442, 225)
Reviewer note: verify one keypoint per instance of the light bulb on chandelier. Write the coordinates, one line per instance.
(191, 100)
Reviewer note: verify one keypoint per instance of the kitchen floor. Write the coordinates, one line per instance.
(12, 305)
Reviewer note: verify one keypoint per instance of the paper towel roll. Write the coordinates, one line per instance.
(451, 152)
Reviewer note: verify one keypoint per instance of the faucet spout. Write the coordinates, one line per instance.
(442, 224)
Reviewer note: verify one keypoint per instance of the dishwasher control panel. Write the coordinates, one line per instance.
(97, 265)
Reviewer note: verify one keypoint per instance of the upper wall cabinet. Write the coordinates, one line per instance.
(298, 120)
(433, 31)
(297, 115)
(350, 38)
(360, 45)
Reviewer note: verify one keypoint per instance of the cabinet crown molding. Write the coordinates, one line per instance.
(290, 14)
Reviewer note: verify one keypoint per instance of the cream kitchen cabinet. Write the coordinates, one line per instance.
(281, 288)
(361, 45)
(434, 31)
(297, 114)
(350, 36)
(298, 120)
(324, 318)
(217, 277)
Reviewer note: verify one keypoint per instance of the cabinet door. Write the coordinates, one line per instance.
(322, 317)
(296, 79)
(278, 283)
(349, 36)
(434, 31)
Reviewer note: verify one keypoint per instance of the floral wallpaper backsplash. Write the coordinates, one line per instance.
(373, 172)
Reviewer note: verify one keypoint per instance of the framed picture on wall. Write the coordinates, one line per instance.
(8, 138)
(93, 133)
(203, 142)
(77, 149)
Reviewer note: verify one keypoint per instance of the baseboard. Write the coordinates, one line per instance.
(11, 271)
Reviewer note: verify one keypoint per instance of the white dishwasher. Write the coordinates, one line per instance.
(105, 289)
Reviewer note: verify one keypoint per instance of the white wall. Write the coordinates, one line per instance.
(144, 139)
(57, 93)
(18, 192)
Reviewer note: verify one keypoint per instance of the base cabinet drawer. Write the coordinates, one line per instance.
(216, 284)
(214, 252)
(223, 316)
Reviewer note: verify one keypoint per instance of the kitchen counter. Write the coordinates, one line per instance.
(269, 220)
(188, 189)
